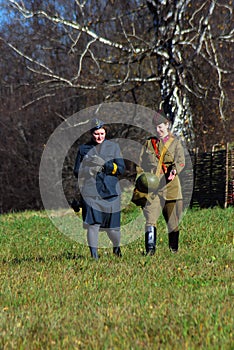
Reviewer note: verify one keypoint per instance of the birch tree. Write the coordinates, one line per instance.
(169, 53)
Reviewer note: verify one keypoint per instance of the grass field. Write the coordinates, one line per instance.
(53, 296)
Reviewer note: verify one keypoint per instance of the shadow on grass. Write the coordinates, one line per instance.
(41, 259)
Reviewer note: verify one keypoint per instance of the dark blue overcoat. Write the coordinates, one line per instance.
(100, 192)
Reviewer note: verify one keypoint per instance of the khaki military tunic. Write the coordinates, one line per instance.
(173, 160)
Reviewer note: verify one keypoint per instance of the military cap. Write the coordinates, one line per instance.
(159, 118)
(97, 124)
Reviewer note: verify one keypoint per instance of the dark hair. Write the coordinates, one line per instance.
(102, 127)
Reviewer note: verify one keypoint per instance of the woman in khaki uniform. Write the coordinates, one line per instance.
(164, 156)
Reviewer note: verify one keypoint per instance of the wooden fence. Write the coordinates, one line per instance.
(213, 177)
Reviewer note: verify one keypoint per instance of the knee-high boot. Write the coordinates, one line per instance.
(173, 241)
(150, 240)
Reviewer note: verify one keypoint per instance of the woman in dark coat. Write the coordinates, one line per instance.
(98, 164)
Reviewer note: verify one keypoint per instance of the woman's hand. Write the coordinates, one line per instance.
(172, 175)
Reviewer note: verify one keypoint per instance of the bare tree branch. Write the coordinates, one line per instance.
(115, 49)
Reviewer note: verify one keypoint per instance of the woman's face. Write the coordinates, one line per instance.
(99, 135)
(162, 130)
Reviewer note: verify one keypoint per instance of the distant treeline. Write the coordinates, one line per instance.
(207, 181)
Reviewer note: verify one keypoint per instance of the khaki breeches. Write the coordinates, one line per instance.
(171, 210)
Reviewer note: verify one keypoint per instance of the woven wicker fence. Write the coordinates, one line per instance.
(213, 178)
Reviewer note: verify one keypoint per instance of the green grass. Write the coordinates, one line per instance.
(53, 296)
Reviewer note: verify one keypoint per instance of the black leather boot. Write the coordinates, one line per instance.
(173, 241)
(94, 253)
(150, 240)
(117, 251)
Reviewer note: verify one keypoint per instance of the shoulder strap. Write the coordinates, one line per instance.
(161, 156)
